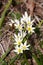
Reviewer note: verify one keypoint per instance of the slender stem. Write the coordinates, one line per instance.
(13, 60)
(4, 12)
(40, 23)
(26, 60)
(5, 54)
(36, 59)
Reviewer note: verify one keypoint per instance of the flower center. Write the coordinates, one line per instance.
(19, 27)
(29, 28)
(29, 22)
(24, 47)
(19, 50)
(19, 42)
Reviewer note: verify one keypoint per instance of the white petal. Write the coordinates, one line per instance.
(16, 21)
(12, 21)
(22, 21)
(28, 45)
(24, 33)
(27, 48)
(29, 18)
(25, 43)
(33, 27)
(33, 21)
(28, 31)
(26, 14)
(15, 43)
(15, 50)
(15, 35)
(21, 45)
(10, 24)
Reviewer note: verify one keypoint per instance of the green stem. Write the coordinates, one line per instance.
(36, 59)
(13, 59)
(4, 12)
(7, 52)
(40, 23)
(26, 60)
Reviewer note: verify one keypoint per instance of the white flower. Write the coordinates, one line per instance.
(25, 46)
(29, 22)
(19, 37)
(30, 29)
(22, 34)
(22, 22)
(27, 19)
(12, 22)
(18, 50)
(18, 25)
(21, 48)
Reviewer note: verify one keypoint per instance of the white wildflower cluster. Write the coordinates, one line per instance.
(19, 45)
(23, 25)
(29, 24)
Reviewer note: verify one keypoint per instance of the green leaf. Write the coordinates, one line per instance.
(18, 15)
(36, 59)
(3, 63)
(41, 59)
(5, 54)
(37, 31)
(25, 60)
(12, 15)
(41, 44)
(4, 12)
(40, 23)
(13, 59)
(17, 1)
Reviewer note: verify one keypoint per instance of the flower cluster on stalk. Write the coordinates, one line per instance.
(24, 26)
